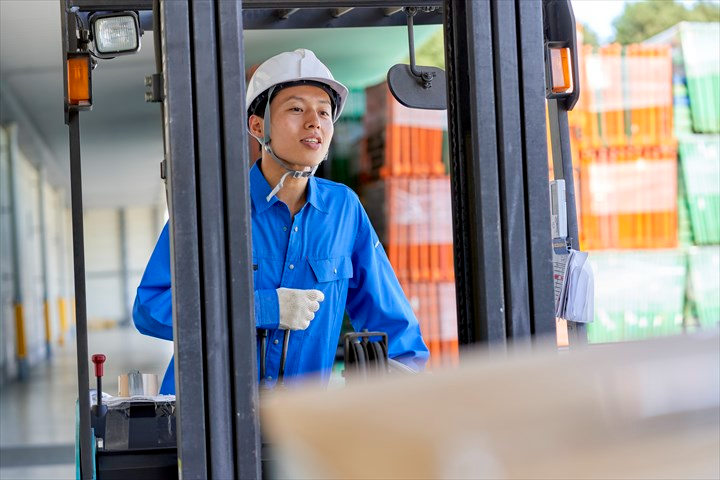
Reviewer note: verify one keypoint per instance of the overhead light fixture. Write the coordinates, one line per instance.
(115, 34)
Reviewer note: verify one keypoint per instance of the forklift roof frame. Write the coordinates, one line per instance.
(499, 188)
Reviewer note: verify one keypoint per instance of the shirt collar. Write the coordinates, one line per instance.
(314, 197)
(260, 188)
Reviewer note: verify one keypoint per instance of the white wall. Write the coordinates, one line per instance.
(26, 283)
(115, 259)
(109, 298)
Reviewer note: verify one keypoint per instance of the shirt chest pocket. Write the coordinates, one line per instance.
(331, 269)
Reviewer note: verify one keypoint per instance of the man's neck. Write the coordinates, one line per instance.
(293, 193)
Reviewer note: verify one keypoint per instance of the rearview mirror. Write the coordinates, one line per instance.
(426, 92)
(415, 86)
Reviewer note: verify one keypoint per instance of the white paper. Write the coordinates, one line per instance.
(574, 285)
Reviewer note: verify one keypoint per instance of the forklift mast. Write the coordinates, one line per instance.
(496, 56)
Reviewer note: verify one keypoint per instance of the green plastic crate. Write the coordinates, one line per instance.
(685, 237)
(700, 164)
(638, 294)
(704, 263)
(700, 43)
(682, 120)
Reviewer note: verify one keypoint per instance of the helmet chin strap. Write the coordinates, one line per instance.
(307, 172)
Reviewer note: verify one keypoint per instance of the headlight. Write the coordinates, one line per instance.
(115, 34)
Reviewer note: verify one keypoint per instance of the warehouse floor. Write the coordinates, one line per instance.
(37, 419)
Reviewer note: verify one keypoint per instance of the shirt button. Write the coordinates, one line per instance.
(291, 267)
(335, 271)
(276, 341)
(269, 377)
(296, 229)
(284, 229)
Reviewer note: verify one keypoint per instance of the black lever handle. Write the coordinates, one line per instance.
(283, 357)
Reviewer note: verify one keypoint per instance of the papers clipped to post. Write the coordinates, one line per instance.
(574, 283)
(572, 272)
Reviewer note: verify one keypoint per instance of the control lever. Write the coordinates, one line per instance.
(263, 352)
(283, 357)
(99, 410)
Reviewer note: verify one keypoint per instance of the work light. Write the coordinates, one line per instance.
(115, 34)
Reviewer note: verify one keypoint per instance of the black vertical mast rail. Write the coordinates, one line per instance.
(210, 236)
(80, 302)
(501, 208)
(479, 275)
(72, 119)
(188, 325)
(534, 138)
(511, 174)
(208, 164)
(236, 190)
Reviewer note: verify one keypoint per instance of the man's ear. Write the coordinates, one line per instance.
(257, 126)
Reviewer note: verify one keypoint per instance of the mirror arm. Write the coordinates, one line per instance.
(425, 77)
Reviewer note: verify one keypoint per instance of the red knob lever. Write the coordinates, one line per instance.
(98, 359)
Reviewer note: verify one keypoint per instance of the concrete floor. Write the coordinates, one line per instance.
(37, 416)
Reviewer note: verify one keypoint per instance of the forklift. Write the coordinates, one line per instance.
(505, 60)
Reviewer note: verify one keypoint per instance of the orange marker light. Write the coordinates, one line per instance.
(78, 71)
(560, 70)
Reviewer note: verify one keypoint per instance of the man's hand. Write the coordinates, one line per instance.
(298, 307)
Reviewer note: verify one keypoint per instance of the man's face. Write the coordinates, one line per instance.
(301, 125)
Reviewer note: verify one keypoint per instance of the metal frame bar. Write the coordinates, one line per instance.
(266, 19)
(212, 195)
(267, 14)
(501, 209)
(205, 72)
(534, 137)
(72, 119)
(511, 179)
(180, 148)
(238, 223)
(474, 172)
(113, 5)
(86, 461)
(278, 4)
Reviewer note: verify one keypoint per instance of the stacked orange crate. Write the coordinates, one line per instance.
(623, 143)
(406, 191)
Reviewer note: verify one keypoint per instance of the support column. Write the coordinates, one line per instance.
(44, 245)
(18, 252)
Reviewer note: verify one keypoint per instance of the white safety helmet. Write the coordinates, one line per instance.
(290, 67)
(300, 67)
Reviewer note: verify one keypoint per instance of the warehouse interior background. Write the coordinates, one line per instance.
(646, 152)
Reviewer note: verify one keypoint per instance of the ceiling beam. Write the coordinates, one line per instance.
(113, 5)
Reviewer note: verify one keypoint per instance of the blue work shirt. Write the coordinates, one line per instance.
(330, 246)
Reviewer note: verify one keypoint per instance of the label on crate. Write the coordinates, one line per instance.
(639, 186)
(616, 83)
(423, 207)
(413, 117)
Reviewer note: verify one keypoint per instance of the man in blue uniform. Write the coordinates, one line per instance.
(315, 253)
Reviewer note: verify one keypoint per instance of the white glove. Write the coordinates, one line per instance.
(298, 307)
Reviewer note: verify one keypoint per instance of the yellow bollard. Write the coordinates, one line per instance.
(20, 331)
(48, 333)
(62, 307)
